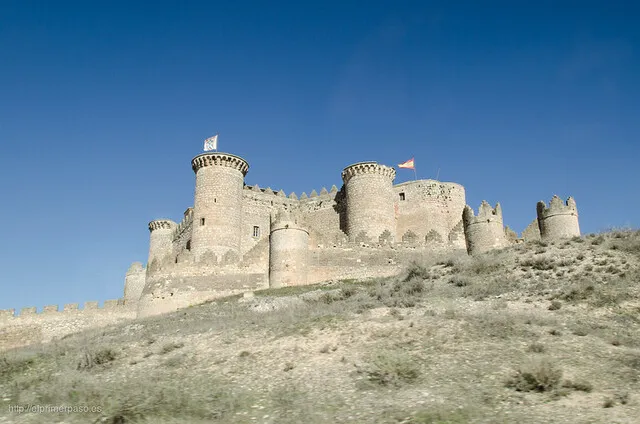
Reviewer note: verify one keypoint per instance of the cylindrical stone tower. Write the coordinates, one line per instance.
(485, 231)
(288, 253)
(559, 220)
(217, 209)
(370, 199)
(160, 241)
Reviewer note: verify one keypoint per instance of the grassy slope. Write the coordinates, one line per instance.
(534, 333)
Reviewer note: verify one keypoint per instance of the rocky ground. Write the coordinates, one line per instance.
(535, 333)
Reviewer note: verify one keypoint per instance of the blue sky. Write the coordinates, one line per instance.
(103, 105)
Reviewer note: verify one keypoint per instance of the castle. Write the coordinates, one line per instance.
(238, 238)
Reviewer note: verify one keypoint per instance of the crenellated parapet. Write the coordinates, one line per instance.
(220, 159)
(186, 222)
(559, 220)
(161, 224)
(364, 168)
(68, 308)
(484, 231)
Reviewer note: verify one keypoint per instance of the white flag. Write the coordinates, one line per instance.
(211, 143)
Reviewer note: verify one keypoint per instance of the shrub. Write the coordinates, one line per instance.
(539, 263)
(555, 305)
(392, 369)
(580, 385)
(417, 272)
(460, 281)
(13, 366)
(536, 348)
(90, 359)
(539, 376)
(170, 347)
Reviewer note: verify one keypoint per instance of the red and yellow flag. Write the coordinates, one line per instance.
(408, 164)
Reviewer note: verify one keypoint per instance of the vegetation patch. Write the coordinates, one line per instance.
(391, 368)
(538, 376)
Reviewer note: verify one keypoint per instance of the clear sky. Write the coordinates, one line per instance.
(103, 105)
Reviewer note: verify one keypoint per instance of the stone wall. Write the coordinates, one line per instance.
(532, 232)
(324, 215)
(429, 207)
(134, 282)
(54, 323)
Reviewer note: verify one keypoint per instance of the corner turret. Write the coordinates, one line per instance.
(559, 220)
(485, 231)
(160, 243)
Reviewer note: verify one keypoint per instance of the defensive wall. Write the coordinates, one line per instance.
(54, 322)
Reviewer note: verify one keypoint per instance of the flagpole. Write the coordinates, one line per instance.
(415, 174)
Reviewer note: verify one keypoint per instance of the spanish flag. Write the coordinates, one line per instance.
(408, 164)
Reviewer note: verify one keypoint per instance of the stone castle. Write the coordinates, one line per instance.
(239, 238)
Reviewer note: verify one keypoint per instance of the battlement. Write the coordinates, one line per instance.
(557, 207)
(324, 194)
(484, 231)
(486, 213)
(220, 159)
(161, 224)
(187, 221)
(112, 305)
(559, 220)
(361, 168)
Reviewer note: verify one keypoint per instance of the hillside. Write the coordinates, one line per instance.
(529, 334)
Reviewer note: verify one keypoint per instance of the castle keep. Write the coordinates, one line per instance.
(238, 238)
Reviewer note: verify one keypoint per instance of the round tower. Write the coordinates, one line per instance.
(559, 220)
(217, 208)
(485, 231)
(288, 253)
(370, 201)
(160, 242)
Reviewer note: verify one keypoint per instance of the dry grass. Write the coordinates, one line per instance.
(558, 322)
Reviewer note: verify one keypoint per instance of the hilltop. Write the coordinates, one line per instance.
(535, 332)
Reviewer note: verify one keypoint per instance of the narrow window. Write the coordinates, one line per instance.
(256, 231)
(188, 244)
(201, 221)
(401, 196)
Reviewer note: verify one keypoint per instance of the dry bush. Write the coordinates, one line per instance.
(391, 368)
(92, 358)
(579, 385)
(170, 347)
(538, 376)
